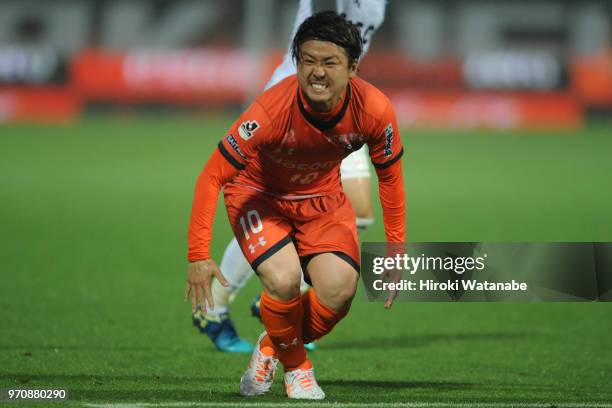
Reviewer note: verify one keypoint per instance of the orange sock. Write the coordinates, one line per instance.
(306, 365)
(318, 318)
(267, 347)
(283, 322)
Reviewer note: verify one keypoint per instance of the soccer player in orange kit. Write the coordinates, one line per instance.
(279, 167)
(355, 175)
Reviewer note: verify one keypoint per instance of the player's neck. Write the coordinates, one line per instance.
(322, 111)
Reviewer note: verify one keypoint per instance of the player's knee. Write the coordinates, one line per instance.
(281, 281)
(281, 274)
(282, 287)
(364, 212)
(339, 293)
(358, 193)
(364, 208)
(340, 299)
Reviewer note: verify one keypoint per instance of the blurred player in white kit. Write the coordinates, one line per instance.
(368, 15)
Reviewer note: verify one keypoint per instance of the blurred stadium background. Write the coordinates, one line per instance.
(109, 108)
(496, 64)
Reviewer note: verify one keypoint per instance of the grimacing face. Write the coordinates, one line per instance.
(323, 72)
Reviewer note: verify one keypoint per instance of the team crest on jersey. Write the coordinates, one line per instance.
(389, 140)
(247, 129)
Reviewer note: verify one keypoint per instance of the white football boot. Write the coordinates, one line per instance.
(259, 375)
(301, 384)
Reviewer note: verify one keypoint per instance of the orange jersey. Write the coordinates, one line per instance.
(281, 147)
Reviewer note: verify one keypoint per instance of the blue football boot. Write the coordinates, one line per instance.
(256, 312)
(222, 332)
(255, 307)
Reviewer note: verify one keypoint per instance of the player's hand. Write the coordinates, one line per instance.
(391, 276)
(199, 281)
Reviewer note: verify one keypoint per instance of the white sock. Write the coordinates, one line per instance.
(287, 67)
(219, 309)
(237, 272)
(235, 267)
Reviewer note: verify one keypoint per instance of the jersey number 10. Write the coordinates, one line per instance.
(304, 178)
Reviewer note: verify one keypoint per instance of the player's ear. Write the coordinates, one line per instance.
(353, 68)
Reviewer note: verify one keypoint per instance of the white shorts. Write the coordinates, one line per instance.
(355, 165)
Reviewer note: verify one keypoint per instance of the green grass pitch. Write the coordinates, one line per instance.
(93, 223)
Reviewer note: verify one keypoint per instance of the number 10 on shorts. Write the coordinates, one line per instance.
(254, 221)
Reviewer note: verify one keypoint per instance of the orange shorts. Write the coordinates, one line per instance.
(263, 224)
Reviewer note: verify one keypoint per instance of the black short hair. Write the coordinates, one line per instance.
(329, 26)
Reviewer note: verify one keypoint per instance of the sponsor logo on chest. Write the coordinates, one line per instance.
(292, 164)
